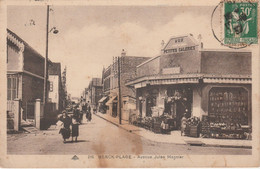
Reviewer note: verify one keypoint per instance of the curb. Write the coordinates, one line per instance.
(205, 145)
(114, 123)
(227, 146)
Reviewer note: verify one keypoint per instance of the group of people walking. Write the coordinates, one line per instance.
(70, 124)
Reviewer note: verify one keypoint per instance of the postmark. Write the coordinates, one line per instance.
(238, 22)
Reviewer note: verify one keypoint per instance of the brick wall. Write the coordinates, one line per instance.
(128, 72)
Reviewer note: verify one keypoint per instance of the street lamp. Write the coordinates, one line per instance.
(55, 31)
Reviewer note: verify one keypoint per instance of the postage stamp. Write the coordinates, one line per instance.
(240, 23)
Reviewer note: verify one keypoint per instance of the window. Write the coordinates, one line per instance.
(12, 87)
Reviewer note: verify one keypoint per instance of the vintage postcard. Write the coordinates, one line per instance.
(129, 83)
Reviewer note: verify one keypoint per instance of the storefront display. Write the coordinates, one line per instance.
(193, 127)
(228, 105)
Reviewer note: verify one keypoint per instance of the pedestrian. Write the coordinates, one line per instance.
(65, 130)
(76, 114)
(74, 128)
(183, 124)
(88, 113)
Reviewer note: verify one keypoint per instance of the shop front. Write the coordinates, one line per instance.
(214, 110)
(211, 88)
(112, 106)
(229, 111)
(168, 103)
(102, 104)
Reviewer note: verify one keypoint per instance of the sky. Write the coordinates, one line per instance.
(90, 36)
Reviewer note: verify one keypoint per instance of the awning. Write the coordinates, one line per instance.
(102, 99)
(110, 101)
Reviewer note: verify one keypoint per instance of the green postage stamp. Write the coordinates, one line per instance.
(240, 23)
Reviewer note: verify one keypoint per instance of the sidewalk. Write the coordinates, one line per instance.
(175, 136)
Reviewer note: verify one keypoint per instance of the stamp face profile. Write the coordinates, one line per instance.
(240, 23)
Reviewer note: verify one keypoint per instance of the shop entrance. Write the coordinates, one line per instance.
(178, 102)
(150, 102)
(114, 109)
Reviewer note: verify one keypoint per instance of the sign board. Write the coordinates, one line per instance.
(172, 70)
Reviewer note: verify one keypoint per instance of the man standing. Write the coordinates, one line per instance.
(183, 124)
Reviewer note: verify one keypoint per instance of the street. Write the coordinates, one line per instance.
(102, 137)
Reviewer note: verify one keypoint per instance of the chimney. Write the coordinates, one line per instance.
(123, 53)
(200, 42)
(162, 46)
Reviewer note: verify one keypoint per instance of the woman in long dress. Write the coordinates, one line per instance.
(75, 128)
(65, 130)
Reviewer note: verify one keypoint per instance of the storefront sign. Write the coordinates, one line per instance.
(172, 70)
(181, 49)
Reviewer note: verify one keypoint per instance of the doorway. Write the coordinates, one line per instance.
(150, 103)
(179, 101)
(114, 109)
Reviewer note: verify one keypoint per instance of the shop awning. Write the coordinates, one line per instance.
(188, 78)
(111, 100)
(102, 99)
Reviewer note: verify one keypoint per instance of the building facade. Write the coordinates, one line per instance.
(186, 78)
(25, 74)
(94, 92)
(127, 66)
(56, 93)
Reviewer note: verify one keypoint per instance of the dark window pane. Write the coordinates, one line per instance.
(9, 83)
(13, 94)
(8, 94)
(14, 83)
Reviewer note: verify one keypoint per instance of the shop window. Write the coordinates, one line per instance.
(12, 87)
(229, 105)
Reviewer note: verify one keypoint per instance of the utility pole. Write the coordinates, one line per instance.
(45, 93)
(119, 91)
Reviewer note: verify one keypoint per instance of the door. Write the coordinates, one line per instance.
(114, 110)
(150, 102)
(141, 108)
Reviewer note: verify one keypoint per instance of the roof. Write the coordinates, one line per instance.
(21, 44)
(54, 68)
(149, 60)
(190, 36)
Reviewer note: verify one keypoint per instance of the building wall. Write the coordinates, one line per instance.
(14, 58)
(224, 63)
(128, 71)
(54, 94)
(189, 61)
(150, 68)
